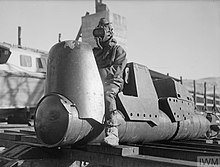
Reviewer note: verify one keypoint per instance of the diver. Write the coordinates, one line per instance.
(111, 61)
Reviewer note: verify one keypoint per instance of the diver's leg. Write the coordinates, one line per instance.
(111, 129)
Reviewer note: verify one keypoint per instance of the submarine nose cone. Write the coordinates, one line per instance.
(51, 121)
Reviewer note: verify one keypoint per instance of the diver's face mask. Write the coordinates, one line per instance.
(99, 32)
(102, 34)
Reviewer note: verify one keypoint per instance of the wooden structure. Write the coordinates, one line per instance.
(23, 149)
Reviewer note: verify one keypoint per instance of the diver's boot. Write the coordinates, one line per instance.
(111, 130)
(111, 136)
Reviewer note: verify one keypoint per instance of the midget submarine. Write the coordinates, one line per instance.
(72, 110)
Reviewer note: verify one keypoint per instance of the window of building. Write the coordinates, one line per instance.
(4, 55)
(41, 63)
(25, 61)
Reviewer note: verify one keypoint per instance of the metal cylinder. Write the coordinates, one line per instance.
(60, 124)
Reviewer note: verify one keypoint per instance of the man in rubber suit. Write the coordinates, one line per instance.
(111, 61)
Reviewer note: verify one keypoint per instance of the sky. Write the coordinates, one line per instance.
(178, 37)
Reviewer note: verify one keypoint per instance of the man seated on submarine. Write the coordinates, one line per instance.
(111, 61)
